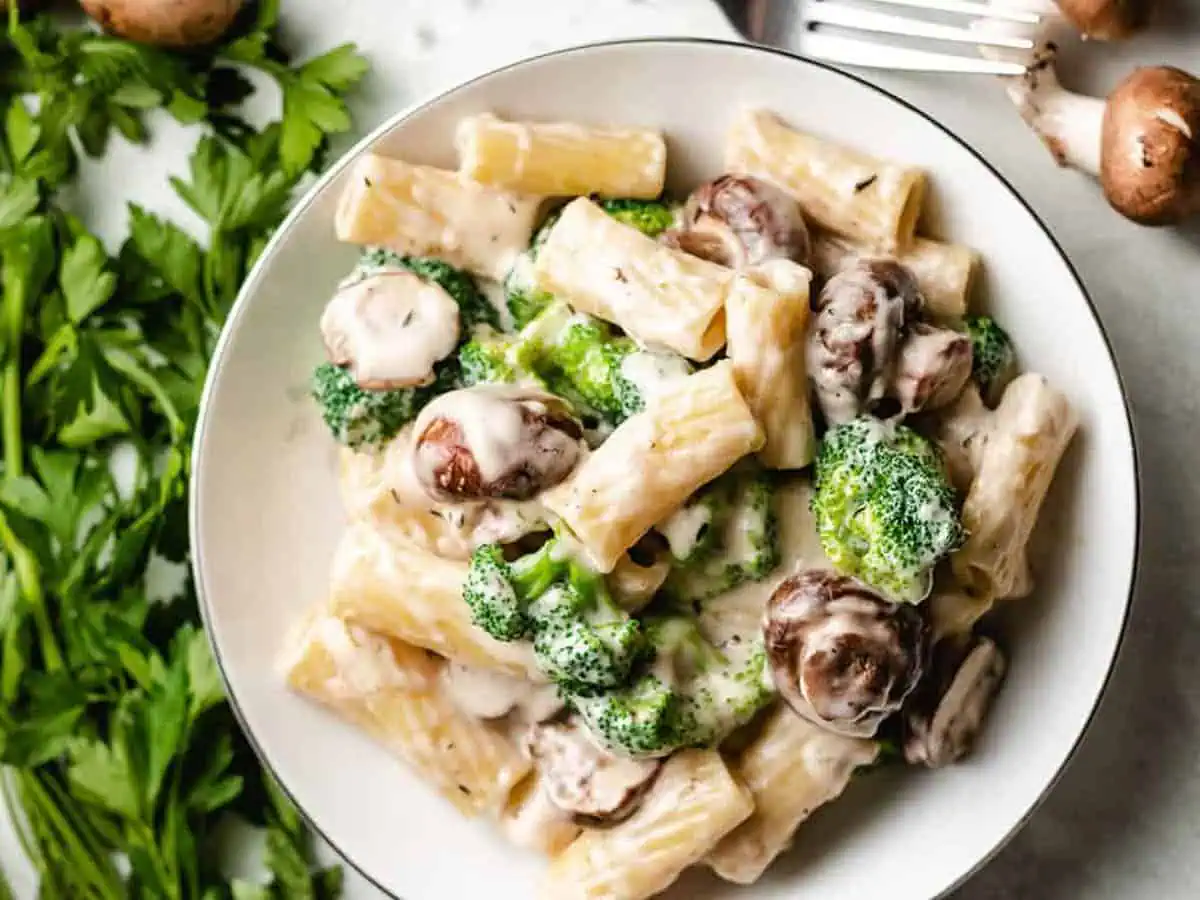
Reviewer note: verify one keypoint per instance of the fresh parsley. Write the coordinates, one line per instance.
(118, 747)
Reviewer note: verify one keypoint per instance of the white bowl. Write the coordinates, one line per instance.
(265, 513)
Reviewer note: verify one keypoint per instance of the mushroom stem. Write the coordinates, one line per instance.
(1069, 124)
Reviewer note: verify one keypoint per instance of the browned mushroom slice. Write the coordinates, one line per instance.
(932, 367)
(944, 716)
(390, 328)
(841, 655)
(494, 442)
(741, 221)
(584, 780)
(853, 339)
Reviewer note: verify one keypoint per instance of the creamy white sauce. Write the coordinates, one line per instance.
(488, 694)
(535, 821)
(684, 527)
(579, 775)
(491, 424)
(390, 327)
(652, 372)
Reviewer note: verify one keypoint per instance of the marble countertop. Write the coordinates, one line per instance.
(1123, 821)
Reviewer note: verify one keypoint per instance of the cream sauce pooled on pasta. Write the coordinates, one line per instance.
(488, 694)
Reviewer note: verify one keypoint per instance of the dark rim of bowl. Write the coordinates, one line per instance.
(393, 122)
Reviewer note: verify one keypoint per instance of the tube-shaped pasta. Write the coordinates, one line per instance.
(384, 581)
(562, 159)
(945, 272)
(613, 271)
(689, 434)
(693, 803)
(392, 691)
(765, 323)
(422, 211)
(869, 200)
(531, 819)
(792, 768)
(1029, 433)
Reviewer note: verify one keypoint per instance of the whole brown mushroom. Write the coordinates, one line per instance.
(862, 314)
(493, 442)
(841, 655)
(1105, 20)
(165, 23)
(1143, 142)
(741, 221)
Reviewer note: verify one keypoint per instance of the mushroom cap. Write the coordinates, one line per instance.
(183, 23)
(932, 367)
(1150, 156)
(862, 313)
(842, 656)
(1106, 20)
(741, 221)
(494, 442)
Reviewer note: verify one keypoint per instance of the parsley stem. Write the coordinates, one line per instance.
(14, 461)
(29, 578)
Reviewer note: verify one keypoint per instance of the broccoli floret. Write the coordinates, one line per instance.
(598, 370)
(994, 360)
(359, 418)
(493, 358)
(740, 544)
(473, 307)
(650, 217)
(705, 698)
(582, 640)
(884, 507)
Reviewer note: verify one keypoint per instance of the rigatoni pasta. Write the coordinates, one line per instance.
(692, 804)
(392, 691)
(1027, 437)
(562, 159)
(691, 433)
(384, 582)
(613, 271)
(765, 318)
(423, 211)
(872, 201)
(792, 768)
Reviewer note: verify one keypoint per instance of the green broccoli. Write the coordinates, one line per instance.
(740, 543)
(581, 638)
(493, 358)
(598, 370)
(473, 307)
(994, 360)
(694, 695)
(650, 217)
(884, 507)
(359, 418)
(525, 300)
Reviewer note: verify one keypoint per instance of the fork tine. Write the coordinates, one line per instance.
(825, 13)
(851, 52)
(969, 8)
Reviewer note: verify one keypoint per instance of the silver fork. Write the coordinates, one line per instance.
(846, 32)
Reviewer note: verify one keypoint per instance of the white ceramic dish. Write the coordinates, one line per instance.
(265, 513)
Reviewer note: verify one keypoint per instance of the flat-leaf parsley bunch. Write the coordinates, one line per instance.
(121, 758)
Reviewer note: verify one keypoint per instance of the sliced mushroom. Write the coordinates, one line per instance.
(962, 434)
(842, 656)
(582, 779)
(861, 315)
(390, 328)
(494, 442)
(932, 367)
(944, 716)
(741, 221)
